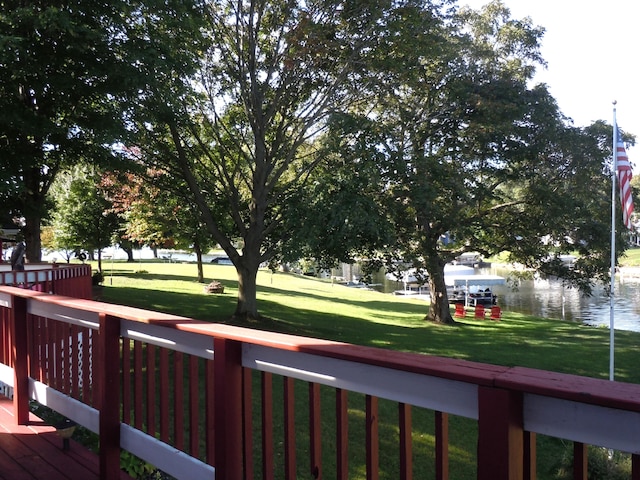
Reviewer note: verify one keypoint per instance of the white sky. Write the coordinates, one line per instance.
(591, 49)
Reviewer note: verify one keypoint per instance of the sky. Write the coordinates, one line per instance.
(591, 49)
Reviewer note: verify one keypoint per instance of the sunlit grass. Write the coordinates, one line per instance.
(322, 309)
(319, 308)
(631, 257)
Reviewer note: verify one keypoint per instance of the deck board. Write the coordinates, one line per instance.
(34, 451)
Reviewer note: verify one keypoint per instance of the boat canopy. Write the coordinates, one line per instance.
(458, 280)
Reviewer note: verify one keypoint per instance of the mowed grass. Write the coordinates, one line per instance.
(319, 308)
(631, 257)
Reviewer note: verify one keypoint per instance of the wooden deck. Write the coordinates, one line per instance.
(35, 451)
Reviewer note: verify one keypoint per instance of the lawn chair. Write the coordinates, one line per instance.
(460, 311)
(479, 311)
(496, 313)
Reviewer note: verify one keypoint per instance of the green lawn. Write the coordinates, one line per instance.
(631, 257)
(311, 307)
(318, 308)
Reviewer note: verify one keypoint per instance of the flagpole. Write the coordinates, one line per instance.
(614, 169)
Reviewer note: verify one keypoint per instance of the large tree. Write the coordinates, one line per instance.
(467, 149)
(276, 70)
(69, 71)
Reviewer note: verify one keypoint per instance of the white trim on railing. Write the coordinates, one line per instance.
(75, 316)
(77, 411)
(581, 422)
(6, 300)
(26, 276)
(6, 375)
(440, 394)
(162, 456)
(185, 342)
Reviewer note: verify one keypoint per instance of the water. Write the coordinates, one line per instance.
(141, 255)
(548, 298)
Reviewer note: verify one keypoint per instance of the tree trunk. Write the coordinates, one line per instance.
(198, 251)
(439, 311)
(100, 260)
(247, 306)
(31, 230)
(129, 252)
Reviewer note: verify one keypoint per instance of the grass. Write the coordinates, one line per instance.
(311, 307)
(631, 258)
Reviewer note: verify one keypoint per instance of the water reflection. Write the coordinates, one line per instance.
(548, 298)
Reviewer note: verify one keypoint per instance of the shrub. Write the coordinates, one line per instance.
(602, 464)
(97, 278)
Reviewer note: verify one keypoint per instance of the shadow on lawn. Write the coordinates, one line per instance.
(144, 275)
(388, 305)
(476, 340)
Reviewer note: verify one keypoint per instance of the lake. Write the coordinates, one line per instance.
(543, 298)
(548, 298)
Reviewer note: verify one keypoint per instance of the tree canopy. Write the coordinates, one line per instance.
(273, 74)
(70, 70)
(468, 150)
(326, 129)
(84, 218)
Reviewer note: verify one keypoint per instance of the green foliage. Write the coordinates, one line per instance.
(75, 69)
(84, 218)
(337, 216)
(136, 467)
(314, 129)
(97, 278)
(243, 141)
(465, 148)
(602, 464)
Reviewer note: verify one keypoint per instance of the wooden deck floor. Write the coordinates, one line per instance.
(35, 452)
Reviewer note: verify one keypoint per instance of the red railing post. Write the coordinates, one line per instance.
(530, 455)
(315, 431)
(442, 445)
(107, 371)
(580, 461)
(500, 434)
(635, 467)
(228, 408)
(20, 359)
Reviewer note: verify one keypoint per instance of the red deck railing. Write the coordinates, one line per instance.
(201, 400)
(71, 280)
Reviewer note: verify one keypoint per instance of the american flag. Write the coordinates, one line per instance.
(624, 179)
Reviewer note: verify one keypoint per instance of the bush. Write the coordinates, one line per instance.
(97, 278)
(602, 464)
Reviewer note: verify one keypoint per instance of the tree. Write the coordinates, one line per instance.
(70, 71)
(84, 218)
(273, 74)
(155, 213)
(466, 149)
(337, 215)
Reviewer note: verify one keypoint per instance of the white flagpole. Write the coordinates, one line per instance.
(614, 170)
